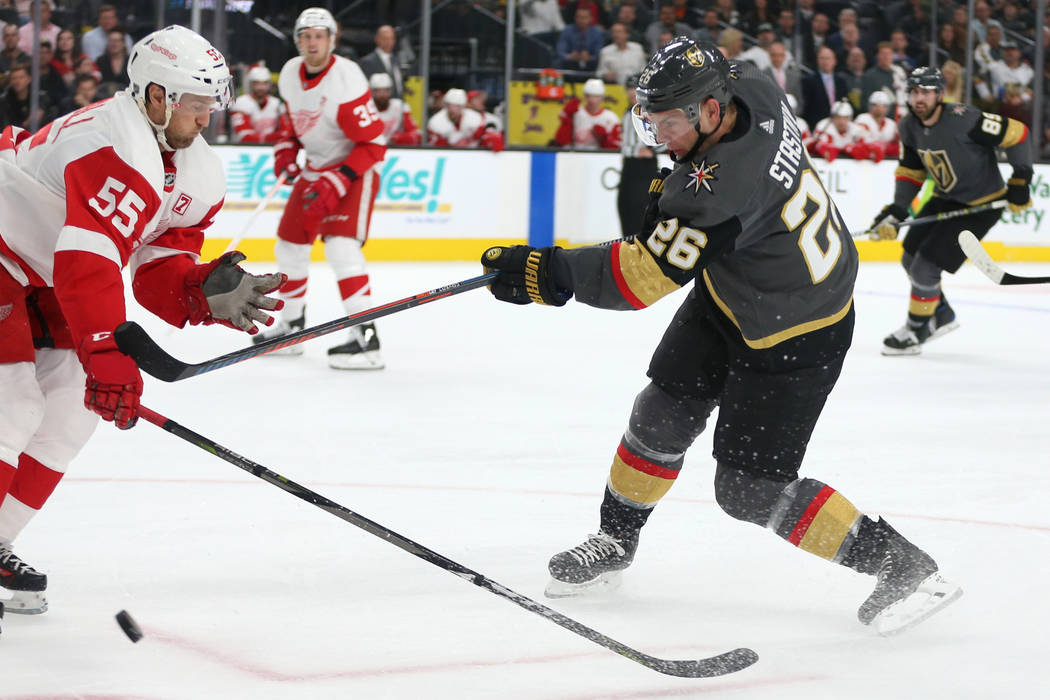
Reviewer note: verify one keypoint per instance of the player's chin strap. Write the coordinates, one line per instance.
(158, 129)
(702, 137)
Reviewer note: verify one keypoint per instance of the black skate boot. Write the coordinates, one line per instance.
(282, 328)
(909, 588)
(909, 339)
(361, 352)
(26, 584)
(595, 564)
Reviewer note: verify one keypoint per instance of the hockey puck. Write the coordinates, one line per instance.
(128, 624)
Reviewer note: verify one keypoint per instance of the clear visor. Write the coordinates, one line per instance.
(199, 105)
(659, 128)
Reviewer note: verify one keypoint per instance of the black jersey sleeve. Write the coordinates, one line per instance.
(909, 176)
(997, 131)
(637, 272)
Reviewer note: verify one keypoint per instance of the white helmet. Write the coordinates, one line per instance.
(259, 74)
(380, 81)
(455, 96)
(594, 86)
(842, 109)
(313, 17)
(880, 97)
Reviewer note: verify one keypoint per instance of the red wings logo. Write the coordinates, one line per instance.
(303, 121)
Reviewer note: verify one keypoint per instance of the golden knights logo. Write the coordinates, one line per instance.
(940, 169)
(702, 176)
(695, 56)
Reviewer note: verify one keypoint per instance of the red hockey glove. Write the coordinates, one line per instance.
(114, 384)
(284, 155)
(571, 107)
(492, 140)
(406, 138)
(827, 151)
(221, 292)
(323, 195)
(600, 133)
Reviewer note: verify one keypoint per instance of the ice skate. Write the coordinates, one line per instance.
(907, 340)
(282, 328)
(361, 352)
(594, 565)
(909, 589)
(24, 584)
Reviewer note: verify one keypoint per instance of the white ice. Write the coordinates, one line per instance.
(488, 439)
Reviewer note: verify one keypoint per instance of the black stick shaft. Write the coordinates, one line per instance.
(151, 358)
(998, 204)
(722, 664)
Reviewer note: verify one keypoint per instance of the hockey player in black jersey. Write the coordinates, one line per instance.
(955, 145)
(762, 335)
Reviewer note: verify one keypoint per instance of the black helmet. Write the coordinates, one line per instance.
(926, 78)
(683, 74)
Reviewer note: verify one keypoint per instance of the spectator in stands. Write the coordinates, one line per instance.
(591, 128)
(94, 40)
(953, 82)
(257, 116)
(113, 63)
(666, 21)
(786, 32)
(1017, 103)
(806, 13)
(50, 81)
(580, 43)
(847, 17)
(16, 99)
(879, 127)
(731, 41)
(710, 29)
(982, 20)
(1013, 18)
(727, 12)
(838, 134)
(916, 22)
(990, 50)
(949, 47)
(759, 53)
(67, 51)
(85, 92)
(902, 53)
(642, 16)
(85, 66)
(621, 58)
(884, 75)
(11, 54)
(687, 14)
(1011, 71)
(784, 72)
(822, 88)
(627, 16)
(815, 38)
(760, 14)
(598, 16)
(849, 39)
(540, 16)
(856, 64)
(383, 59)
(399, 127)
(48, 31)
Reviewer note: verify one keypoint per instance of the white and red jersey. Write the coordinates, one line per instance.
(332, 116)
(255, 122)
(399, 126)
(442, 131)
(882, 131)
(91, 193)
(826, 133)
(586, 137)
(804, 133)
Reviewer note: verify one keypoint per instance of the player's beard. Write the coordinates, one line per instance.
(177, 141)
(381, 104)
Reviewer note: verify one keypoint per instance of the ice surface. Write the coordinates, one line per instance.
(488, 439)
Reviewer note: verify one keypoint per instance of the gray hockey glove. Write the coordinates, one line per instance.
(232, 296)
(885, 225)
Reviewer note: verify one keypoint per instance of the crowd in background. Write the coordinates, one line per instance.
(821, 53)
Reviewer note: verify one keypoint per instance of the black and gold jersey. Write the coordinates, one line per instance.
(749, 219)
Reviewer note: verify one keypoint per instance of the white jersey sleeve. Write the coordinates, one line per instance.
(444, 132)
(253, 122)
(882, 131)
(583, 123)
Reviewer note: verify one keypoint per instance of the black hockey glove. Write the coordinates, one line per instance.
(652, 210)
(885, 225)
(1018, 195)
(525, 275)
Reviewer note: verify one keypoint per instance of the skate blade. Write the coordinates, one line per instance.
(943, 330)
(26, 603)
(901, 352)
(604, 583)
(933, 595)
(358, 360)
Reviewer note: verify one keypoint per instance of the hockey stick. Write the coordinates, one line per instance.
(136, 343)
(729, 662)
(983, 262)
(997, 204)
(251, 219)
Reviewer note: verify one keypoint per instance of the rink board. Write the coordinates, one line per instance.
(443, 204)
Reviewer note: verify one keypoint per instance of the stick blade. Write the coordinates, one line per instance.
(721, 665)
(979, 257)
(134, 342)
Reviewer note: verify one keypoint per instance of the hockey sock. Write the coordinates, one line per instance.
(922, 305)
(33, 484)
(294, 294)
(639, 478)
(348, 262)
(815, 517)
(7, 475)
(293, 259)
(356, 293)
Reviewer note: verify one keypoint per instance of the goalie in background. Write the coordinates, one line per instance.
(955, 146)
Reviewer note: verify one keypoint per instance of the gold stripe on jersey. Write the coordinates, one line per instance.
(910, 173)
(1015, 133)
(642, 274)
(988, 198)
(830, 527)
(780, 336)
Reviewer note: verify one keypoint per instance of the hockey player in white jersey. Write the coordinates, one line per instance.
(591, 128)
(838, 134)
(880, 131)
(257, 115)
(399, 127)
(126, 182)
(334, 119)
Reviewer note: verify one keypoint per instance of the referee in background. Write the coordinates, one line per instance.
(637, 171)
